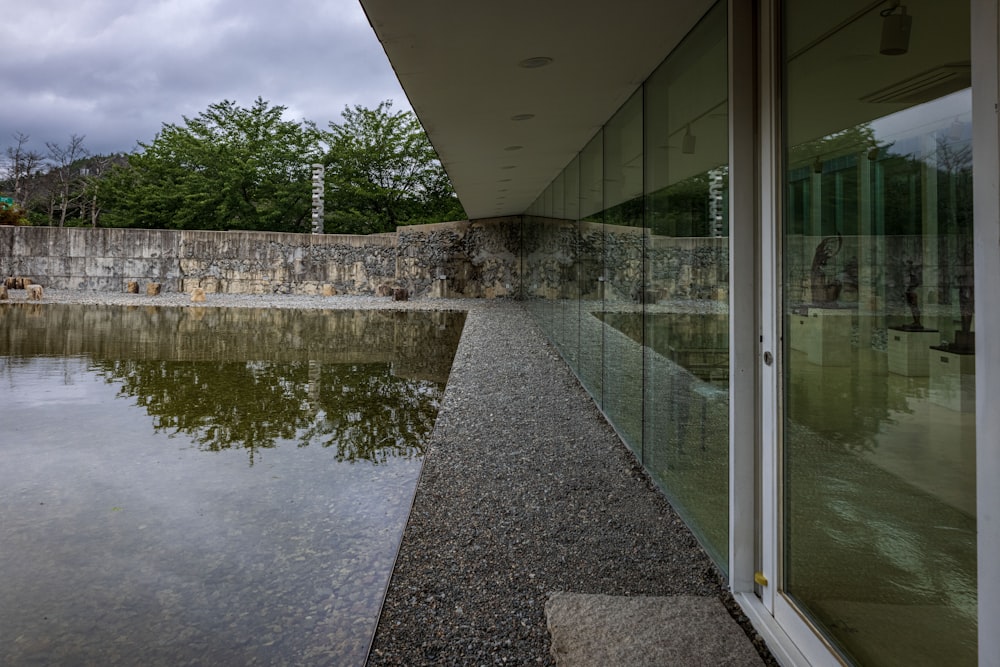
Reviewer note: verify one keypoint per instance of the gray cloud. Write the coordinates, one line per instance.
(116, 70)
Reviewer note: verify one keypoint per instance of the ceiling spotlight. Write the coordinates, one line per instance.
(688, 142)
(535, 62)
(895, 30)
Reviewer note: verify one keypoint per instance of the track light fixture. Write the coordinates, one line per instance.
(895, 30)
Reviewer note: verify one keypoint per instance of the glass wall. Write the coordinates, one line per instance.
(641, 215)
(623, 271)
(590, 269)
(878, 440)
(686, 330)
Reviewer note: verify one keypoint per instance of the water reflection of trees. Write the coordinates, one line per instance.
(364, 383)
(362, 411)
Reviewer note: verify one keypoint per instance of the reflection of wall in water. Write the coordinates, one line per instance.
(419, 344)
(699, 343)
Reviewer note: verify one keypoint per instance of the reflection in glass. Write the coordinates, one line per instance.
(879, 543)
(626, 265)
(623, 244)
(686, 282)
(590, 267)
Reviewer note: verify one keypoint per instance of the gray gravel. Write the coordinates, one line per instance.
(526, 490)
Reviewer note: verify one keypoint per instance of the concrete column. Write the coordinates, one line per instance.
(929, 226)
(867, 270)
(318, 172)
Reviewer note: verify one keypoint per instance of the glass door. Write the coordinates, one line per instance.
(877, 529)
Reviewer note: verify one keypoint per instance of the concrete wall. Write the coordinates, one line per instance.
(92, 259)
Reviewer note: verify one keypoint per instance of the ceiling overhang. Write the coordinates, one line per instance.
(504, 130)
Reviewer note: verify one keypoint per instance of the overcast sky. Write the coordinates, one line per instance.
(116, 70)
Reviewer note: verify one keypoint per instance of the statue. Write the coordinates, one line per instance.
(913, 281)
(825, 291)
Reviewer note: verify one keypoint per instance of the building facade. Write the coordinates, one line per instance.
(765, 236)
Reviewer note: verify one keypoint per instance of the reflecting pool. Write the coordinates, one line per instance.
(207, 486)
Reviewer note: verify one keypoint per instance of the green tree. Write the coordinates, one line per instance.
(383, 172)
(229, 167)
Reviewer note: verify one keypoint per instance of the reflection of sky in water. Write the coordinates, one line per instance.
(127, 545)
(57, 383)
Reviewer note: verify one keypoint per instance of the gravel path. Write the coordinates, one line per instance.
(525, 491)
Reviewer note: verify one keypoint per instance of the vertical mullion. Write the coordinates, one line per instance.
(743, 300)
(986, 201)
(769, 324)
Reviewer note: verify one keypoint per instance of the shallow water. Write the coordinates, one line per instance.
(169, 495)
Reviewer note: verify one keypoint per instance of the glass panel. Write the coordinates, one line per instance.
(558, 196)
(686, 328)
(622, 286)
(550, 271)
(591, 267)
(879, 537)
(570, 303)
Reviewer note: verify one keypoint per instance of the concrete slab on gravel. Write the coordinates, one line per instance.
(600, 630)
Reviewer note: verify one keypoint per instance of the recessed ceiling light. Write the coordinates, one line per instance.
(535, 62)
(522, 116)
(513, 148)
(504, 180)
(509, 166)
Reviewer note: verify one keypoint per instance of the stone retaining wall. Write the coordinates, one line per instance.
(520, 257)
(231, 262)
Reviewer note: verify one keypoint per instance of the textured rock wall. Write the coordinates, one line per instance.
(481, 258)
(270, 262)
(501, 257)
(231, 262)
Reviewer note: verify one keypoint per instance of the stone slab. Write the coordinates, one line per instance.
(600, 630)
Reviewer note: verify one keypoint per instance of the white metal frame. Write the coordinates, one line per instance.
(754, 143)
(743, 301)
(986, 203)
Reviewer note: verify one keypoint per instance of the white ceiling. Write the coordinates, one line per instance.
(458, 60)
